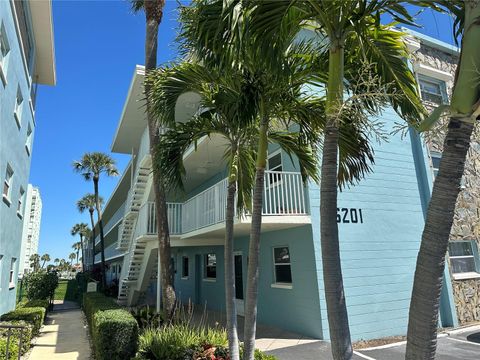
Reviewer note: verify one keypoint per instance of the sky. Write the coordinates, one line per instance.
(97, 45)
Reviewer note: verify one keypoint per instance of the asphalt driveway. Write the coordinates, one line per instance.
(457, 345)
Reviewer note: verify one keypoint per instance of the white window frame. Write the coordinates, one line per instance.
(17, 112)
(279, 284)
(28, 141)
(436, 155)
(185, 277)
(8, 183)
(11, 274)
(442, 85)
(278, 178)
(4, 44)
(20, 205)
(469, 274)
(205, 265)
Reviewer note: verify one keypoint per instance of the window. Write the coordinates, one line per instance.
(433, 90)
(281, 261)
(28, 142)
(462, 258)
(210, 266)
(7, 184)
(274, 164)
(11, 278)
(17, 113)
(436, 157)
(4, 50)
(20, 203)
(184, 267)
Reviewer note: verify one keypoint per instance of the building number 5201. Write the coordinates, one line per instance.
(349, 215)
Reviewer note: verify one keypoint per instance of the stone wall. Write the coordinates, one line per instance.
(466, 225)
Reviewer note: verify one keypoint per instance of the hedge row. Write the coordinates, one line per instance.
(34, 303)
(114, 330)
(26, 333)
(33, 315)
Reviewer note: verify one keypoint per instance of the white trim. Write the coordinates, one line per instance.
(281, 286)
(6, 199)
(3, 77)
(209, 280)
(463, 341)
(466, 275)
(432, 72)
(363, 356)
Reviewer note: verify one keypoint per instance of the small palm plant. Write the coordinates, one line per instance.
(91, 166)
(87, 203)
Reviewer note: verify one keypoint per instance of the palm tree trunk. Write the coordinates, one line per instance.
(332, 270)
(230, 272)
(153, 14)
(83, 254)
(427, 285)
(100, 226)
(254, 248)
(93, 237)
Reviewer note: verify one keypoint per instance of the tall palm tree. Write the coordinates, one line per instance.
(463, 112)
(72, 257)
(77, 246)
(88, 202)
(45, 258)
(56, 261)
(91, 166)
(82, 230)
(347, 30)
(224, 95)
(153, 10)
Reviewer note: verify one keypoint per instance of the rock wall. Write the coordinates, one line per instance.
(466, 225)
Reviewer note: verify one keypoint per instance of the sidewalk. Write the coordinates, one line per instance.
(64, 335)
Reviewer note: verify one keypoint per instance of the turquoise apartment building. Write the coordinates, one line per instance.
(27, 59)
(380, 225)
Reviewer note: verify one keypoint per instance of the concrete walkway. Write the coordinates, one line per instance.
(64, 335)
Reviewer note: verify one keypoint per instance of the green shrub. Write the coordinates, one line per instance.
(32, 315)
(179, 342)
(34, 303)
(26, 333)
(12, 348)
(114, 330)
(115, 334)
(40, 285)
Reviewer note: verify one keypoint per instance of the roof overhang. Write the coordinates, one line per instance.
(42, 21)
(133, 120)
(432, 42)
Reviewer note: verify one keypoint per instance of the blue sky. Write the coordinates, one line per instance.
(97, 45)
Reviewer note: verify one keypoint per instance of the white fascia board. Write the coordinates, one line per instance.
(432, 72)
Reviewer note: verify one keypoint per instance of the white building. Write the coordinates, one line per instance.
(31, 228)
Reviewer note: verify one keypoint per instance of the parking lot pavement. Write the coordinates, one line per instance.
(457, 345)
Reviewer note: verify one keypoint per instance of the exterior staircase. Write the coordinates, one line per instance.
(134, 201)
(132, 267)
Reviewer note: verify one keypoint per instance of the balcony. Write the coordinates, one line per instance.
(284, 203)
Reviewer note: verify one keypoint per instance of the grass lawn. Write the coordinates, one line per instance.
(67, 290)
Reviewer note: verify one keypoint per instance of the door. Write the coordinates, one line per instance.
(239, 283)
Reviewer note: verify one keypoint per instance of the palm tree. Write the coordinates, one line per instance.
(56, 261)
(45, 258)
(348, 30)
(223, 95)
(35, 262)
(72, 257)
(153, 10)
(464, 112)
(88, 202)
(91, 166)
(77, 246)
(82, 230)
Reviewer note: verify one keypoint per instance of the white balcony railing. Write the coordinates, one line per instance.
(284, 195)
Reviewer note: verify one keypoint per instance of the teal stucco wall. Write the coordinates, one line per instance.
(12, 152)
